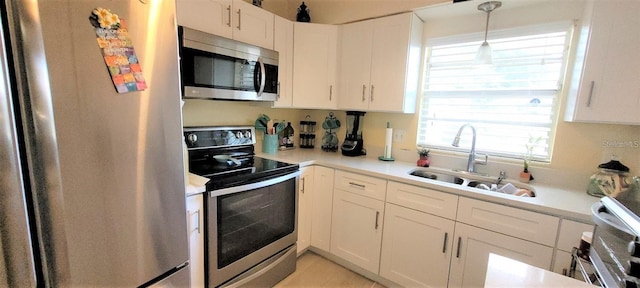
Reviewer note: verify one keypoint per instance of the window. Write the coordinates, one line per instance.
(509, 103)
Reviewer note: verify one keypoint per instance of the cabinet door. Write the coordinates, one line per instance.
(356, 232)
(535, 227)
(355, 65)
(570, 234)
(395, 63)
(252, 25)
(423, 199)
(472, 247)
(211, 16)
(360, 184)
(605, 87)
(322, 207)
(314, 65)
(305, 195)
(283, 43)
(416, 248)
(195, 219)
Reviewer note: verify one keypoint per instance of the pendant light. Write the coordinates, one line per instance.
(483, 56)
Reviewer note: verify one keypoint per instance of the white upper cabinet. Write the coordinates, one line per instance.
(380, 64)
(235, 19)
(252, 24)
(211, 16)
(283, 43)
(314, 66)
(356, 42)
(605, 87)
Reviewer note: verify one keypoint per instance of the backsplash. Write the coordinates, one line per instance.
(579, 147)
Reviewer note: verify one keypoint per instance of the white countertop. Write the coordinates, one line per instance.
(506, 272)
(556, 201)
(196, 184)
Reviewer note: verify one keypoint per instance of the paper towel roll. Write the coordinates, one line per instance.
(387, 142)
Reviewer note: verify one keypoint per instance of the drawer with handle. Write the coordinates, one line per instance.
(360, 184)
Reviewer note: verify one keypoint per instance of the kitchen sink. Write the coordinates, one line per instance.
(474, 180)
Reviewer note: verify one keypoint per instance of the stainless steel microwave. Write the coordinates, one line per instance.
(214, 67)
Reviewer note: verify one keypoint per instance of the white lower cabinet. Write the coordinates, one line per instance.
(568, 237)
(356, 233)
(416, 247)
(430, 238)
(195, 220)
(322, 198)
(305, 201)
(472, 247)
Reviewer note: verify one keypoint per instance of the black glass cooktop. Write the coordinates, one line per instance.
(251, 169)
(226, 156)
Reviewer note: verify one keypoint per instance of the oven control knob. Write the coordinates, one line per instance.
(634, 249)
(192, 138)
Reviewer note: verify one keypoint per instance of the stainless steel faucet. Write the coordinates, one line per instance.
(471, 168)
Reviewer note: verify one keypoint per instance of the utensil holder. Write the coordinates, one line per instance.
(270, 143)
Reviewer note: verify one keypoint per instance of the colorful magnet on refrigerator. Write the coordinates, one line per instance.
(117, 51)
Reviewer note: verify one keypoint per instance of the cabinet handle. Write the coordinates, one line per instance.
(444, 244)
(303, 185)
(372, 93)
(377, 216)
(229, 12)
(278, 91)
(239, 18)
(593, 83)
(330, 92)
(459, 244)
(357, 185)
(363, 88)
(197, 213)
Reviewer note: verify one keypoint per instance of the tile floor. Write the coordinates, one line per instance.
(315, 271)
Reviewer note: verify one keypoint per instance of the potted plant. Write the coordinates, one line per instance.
(525, 175)
(424, 157)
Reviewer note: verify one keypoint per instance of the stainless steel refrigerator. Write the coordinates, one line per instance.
(92, 181)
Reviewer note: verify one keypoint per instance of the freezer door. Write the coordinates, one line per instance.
(118, 218)
(16, 257)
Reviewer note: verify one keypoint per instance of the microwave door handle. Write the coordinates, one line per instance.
(263, 75)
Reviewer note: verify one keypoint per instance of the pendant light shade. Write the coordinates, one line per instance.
(484, 54)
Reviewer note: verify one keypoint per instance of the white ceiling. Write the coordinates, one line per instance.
(450, 9)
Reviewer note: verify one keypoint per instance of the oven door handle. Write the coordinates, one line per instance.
(256, 185)
(603, 223)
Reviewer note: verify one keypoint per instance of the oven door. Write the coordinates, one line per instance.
(609, 248)
(248, 224)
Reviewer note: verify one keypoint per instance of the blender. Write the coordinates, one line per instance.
(353, 144)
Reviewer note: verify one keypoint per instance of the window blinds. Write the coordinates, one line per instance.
(509, 103)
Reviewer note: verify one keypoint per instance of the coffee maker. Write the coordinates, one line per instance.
(353, 144)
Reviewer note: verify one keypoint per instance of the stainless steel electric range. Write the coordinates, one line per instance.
(251, 228)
